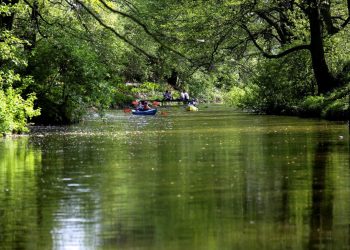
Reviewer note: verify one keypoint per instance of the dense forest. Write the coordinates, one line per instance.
(58, 58)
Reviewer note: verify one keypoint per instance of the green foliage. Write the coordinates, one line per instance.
(69, 77)
(235, 97)
(15, 111)
(244, 97)
(10, 48)
(337, 104)
(122, 100)
(282, 83)
(147, 87)
(202, 86)
(338, 53)
(337, 110)
(125, 94)
(122, 95)
(134, 67)
(75, 62)
(312, 106)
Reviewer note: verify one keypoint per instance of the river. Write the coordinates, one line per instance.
(213, 179)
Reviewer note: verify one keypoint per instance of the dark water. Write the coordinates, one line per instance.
(214, 179)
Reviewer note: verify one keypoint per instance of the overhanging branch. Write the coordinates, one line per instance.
(123, 38)
(347, 21)
(39, 14)
(143, 26)
(279, 55)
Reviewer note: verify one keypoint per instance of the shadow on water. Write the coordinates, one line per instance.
(329, 229)
(321, 217)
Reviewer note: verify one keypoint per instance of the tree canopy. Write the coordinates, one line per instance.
(73, 54)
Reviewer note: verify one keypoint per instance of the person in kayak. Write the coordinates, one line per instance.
(144, 106)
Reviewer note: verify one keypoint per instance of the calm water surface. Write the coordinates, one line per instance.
(214, 179)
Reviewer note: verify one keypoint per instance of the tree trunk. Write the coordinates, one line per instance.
(173, 79)
(325, 80)
(327, 17)
(32, 29)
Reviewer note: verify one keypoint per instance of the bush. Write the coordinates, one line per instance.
(312, 106)
(282, 83)
(68, 79)
(15, 111)
(235, 97)
(121, 100)
(246, 97)
(337, 110)
(148, 90)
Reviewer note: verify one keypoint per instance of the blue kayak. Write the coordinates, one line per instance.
(144, 112)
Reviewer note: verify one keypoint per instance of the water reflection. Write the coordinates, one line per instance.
(321, 219)
(19, 208)
(207, 180)
(329, 195)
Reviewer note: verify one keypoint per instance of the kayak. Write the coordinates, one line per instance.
(144, 112)
(191, 108)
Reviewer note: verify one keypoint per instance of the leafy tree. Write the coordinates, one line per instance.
(74, 62)
(208, 31)
(15, 110)
(69, 77)
(79, 51)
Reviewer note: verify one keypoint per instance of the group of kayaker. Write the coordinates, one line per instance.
(184, 96)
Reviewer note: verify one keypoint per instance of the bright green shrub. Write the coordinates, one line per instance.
(148, 90)
(337, 110)
(15, 111)
(234, 97)
(203, 87)
(312, 106)
(246, 98)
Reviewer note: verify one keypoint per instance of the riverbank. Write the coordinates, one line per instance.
(334, 106)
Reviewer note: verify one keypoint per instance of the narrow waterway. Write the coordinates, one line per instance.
(213, 179)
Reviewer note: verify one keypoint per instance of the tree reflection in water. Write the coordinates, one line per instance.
(321, 217)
